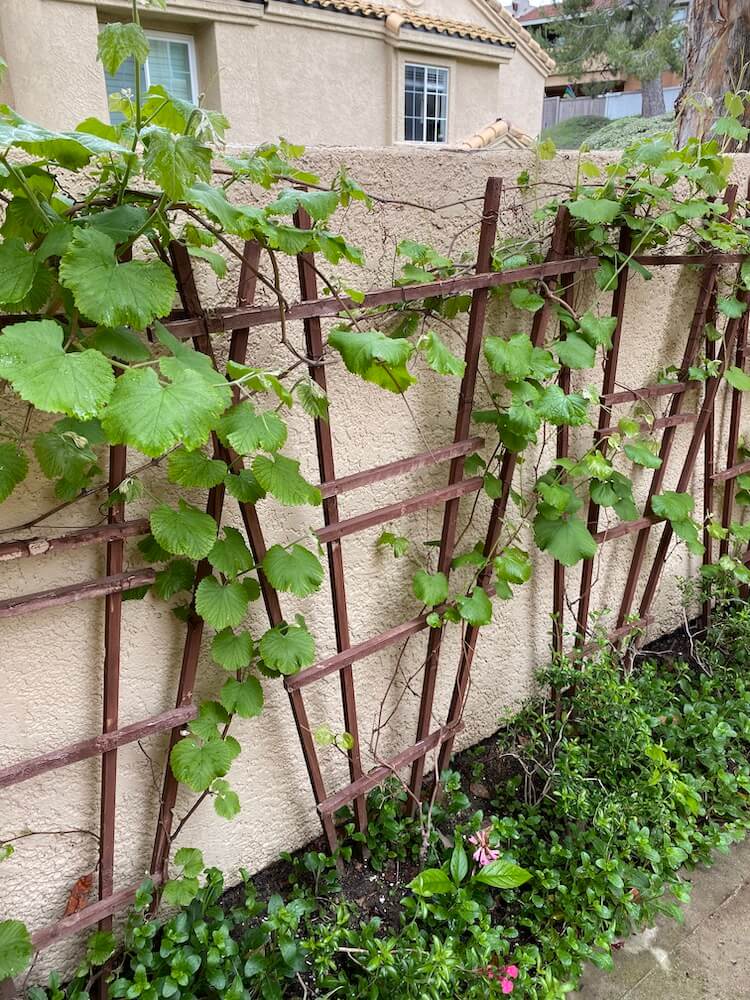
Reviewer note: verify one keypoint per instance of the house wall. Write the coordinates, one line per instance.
(312, 75)
(51, 662)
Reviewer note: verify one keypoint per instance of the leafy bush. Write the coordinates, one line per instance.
(573, 132)
(621, 132)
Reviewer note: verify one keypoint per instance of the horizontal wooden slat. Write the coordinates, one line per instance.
(382, 515)
(26, 603)
(369, 647)
(96, 746)
(733, 473)
(379, 774)
(26, 547)
(627, 528)
(88, 916)
(399, 468)
(648, 392)
(656, 425)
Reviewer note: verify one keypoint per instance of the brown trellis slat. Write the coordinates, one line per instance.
(73, 592)
(695, 337)
(327, 471)
(39, 546)
(499, 506)
(708, 465)
(603, 430)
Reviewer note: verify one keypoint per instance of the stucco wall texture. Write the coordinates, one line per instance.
(51, 662)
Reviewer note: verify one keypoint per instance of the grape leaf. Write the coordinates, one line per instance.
(280, 477)
(13, 468)
(732, 307)
(287, 648)
(559, 407)
(522, 298)
(183, 532)
(313, 399)
(134, 293)
(33, 360)
(119, 342)
(430, 588)
(737, 378)
(642, 453)
(226, 801)
(17, 269)
(673, 506)
(594, 210)
(243, 698)
(439, 357)
(598, 330)
(232, 650)
(375, 357)
(567, 540)
(230, 555)
(175, 163)
(319, 205)
(195, 469)
(15, 948)
(221, 605)
(244, 487)
(294, 569)
(246, 431)
(197, 764)
(476, 608)
(70, 149)
(177, 575)
(397, 543)
(575, 352)
(117, 42)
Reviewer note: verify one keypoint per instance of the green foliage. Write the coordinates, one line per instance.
(15, 948)
(574, 132)
(294, 569)
(623, 132)
(375, 357)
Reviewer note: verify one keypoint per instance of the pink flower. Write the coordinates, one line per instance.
(506, 985)
(511, 971)
(484, 854)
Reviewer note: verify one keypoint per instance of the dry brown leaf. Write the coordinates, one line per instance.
(79, 894)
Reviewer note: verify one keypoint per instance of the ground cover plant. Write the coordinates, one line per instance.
(89, 220)
(558, 838)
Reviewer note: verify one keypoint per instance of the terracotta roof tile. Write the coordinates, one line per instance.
(497, 133)
(396, 16)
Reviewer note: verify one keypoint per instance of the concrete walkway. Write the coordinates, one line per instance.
(705, 958)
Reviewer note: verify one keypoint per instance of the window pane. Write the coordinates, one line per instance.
(425, 103)
(123, 79)
(169, 65)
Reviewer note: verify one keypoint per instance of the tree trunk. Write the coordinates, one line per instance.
(716, 53)
(653, 98)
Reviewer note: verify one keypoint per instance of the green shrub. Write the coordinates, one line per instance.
(572, 133)
(621, 132)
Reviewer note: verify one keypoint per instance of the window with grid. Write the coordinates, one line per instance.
(426, 103)
(170, 63)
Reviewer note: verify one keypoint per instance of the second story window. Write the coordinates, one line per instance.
(170, 63)
(426, 103)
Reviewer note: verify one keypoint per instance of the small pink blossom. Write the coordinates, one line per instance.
(484, 854)
(506, 985)
(511, 972)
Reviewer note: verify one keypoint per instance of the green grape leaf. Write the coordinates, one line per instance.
(154, 417)
(642, 453)
(513, 565)
(569, 540)
(177, 575)
(243, 698)
(736, 377)
(134, 293)
(221, 605)
(430, 588)
(175, 163)
(117, 42)
(226, 801)
(294, 569)
(183, 532)
(673, 506)
(398, 544)
(476, 608)
(71, 150)
(280, 477)
(33, 360)
(732, 307)
(375, 357)
(118, 223)
(319, 205)
(559, 407)
(287, 648)
(119, 342)
(522, 298)
(232, 650)
(15, 948)
(14, 465)
(595, 210)
(439, 357)
(687, 530)
(246, 431)
(216, 262)
(230, 554)
(313, 399)
(244, 487)
(198, 764)
(195, 469)
(598, 330)
(732, 128)
(502, 875)
(17, 270)
(575, 352)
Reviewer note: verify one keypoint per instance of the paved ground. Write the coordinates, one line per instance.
(708, 956)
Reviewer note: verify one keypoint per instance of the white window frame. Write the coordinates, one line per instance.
(426, 67)
(169, 36)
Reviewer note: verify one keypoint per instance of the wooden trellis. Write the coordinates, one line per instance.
(558, 271)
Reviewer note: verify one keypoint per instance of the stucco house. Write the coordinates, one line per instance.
(323, 72)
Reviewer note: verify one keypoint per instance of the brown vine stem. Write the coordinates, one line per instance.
(49, 833)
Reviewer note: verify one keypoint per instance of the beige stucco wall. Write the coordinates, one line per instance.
(316, 76)
(51, 662)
